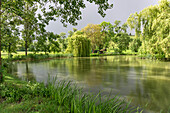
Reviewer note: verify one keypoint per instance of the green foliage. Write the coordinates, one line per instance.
(155, 34)
(120, 42)
(107, 33)
(3, 71)
(117, 26)
(70, 12)
(120, 39)
(123, 42)
(48, 42)
(93, 32)
(29, 20)
(65, 96)
(9, 32)
(135, 44)
(79, 45)
(63, 41)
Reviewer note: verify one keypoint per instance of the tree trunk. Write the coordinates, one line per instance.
(26, 48)
(26, 28)
(9, 50)
(1, 75)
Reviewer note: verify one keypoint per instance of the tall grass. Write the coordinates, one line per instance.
(62, 96)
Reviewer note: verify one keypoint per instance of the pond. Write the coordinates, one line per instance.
(142, 81)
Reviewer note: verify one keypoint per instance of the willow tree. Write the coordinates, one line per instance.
(155, 24)
(79, 45)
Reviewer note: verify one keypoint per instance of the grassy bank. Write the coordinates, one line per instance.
(112, 53)
(20, 56)
(62, 97)
(155, 57)
(41, 56)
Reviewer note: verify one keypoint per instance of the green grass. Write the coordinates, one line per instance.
(31, 56)
(41, 55)
(5, 54)
(112, 52)
(18, 96)
(22, 53)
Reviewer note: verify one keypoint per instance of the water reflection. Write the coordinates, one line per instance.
(29, 75)
(23, 70)
(144, 81)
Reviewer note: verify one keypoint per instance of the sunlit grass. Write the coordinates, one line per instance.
(5, 54)
(112, 52)
(32, 56)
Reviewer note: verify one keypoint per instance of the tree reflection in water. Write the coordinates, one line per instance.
(144, 81)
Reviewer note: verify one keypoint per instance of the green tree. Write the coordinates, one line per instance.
(54, 44)
(43, 43)
(29, 21)
(62, 42)
(107, 33)
(135, 44)
(93, 32)
(10, 34)
(79, 45)
(155, 22)
(48, 42)
(117, 26)
(72, 32)
(35, 47)
(121, 39)
(124, 27)
(134, 22)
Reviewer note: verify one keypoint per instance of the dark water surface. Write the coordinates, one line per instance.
(142, 81)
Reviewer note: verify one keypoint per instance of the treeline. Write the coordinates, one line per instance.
(102, 36)
(81, 43)
(151, 39)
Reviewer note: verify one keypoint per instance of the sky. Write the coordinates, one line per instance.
(120, 11)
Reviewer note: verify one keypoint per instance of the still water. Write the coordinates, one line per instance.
(142, 81)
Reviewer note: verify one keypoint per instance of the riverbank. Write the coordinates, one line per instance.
(37, 57)
(22, 96)
(156, 57)
(113, 53)
(43, 56)
(20, 56)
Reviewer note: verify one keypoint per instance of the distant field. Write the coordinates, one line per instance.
(5, 54)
